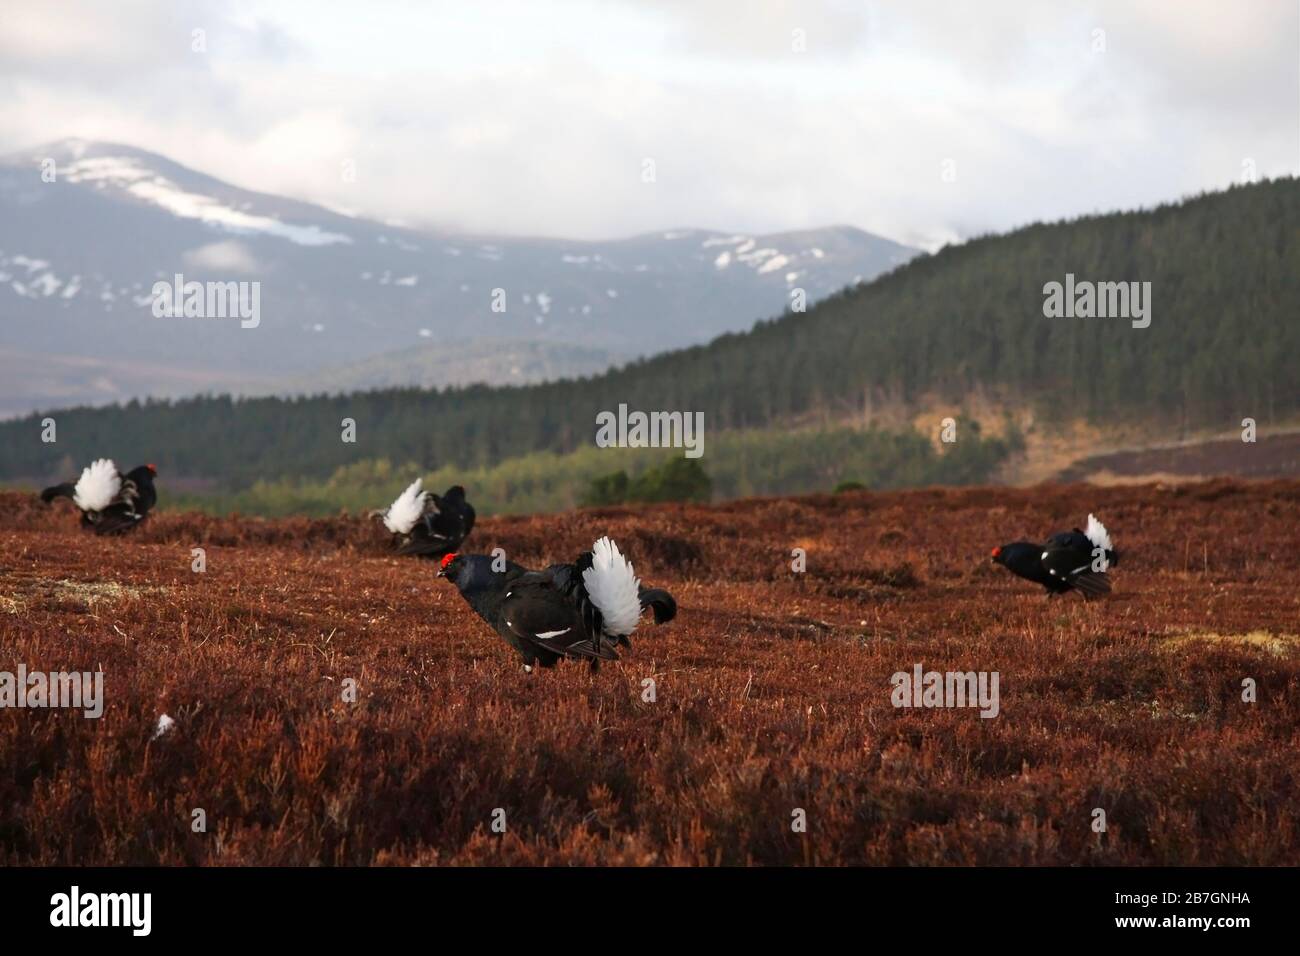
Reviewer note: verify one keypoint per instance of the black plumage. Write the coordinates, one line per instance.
(128, 508)
(547, 614)
(1068, 561)
(440, 528)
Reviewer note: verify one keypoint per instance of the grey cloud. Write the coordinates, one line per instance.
(743, 135)
(764, 29)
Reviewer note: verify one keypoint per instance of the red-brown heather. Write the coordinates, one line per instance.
(772, 690)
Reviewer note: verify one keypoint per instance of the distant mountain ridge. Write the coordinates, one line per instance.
(1222, 346)
(79, 256)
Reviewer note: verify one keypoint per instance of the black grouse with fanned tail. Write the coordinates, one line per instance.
(109, 502)
(1072, 560)
(428, 525)
(584, 609)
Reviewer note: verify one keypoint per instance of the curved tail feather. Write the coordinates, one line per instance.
(661, 602)
(57, 491)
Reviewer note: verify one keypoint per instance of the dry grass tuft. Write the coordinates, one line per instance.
(1280, 644)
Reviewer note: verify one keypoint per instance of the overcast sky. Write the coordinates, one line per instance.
(538, 117)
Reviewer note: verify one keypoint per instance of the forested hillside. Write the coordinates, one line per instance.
(1223, 343)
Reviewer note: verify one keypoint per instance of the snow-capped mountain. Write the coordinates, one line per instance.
(88, 228)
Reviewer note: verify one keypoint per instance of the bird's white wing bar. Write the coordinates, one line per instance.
(403, 513)
(613, 587)
(98, 486)
(541, 635)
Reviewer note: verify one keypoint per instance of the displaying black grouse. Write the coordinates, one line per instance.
(427, 525)
(583, 609)
(110, 502)
(1068, 561)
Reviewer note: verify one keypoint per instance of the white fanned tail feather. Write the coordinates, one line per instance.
(1096, 533)
(614, 588)
(98, 486)
(403, 513)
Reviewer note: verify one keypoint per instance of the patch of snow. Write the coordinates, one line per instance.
(46, 284)
(146, 185)
(755, 255)
(229, 255)
(31, 265)
(407, 280)
(105, 169)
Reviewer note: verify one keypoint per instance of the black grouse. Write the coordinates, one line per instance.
(427, 525)
(1068, 561)
(580, 610)
(110, 502)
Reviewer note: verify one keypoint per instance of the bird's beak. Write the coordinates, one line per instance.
(441, 573)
